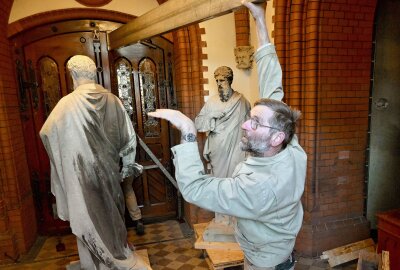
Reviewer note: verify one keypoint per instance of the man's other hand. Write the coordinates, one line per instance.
(176, 118)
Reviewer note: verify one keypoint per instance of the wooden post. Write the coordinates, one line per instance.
(169, 16)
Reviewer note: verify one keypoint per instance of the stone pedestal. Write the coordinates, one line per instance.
(142, 262)
(220, 229)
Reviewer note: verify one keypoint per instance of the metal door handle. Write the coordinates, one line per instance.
(381, 104)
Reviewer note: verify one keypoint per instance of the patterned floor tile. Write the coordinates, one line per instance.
(49, 250)
(157, 232)
(169, 245)
(178, 254)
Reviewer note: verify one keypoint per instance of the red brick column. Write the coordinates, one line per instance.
(242, 27)
(17, 214)
(190, 91)
(325, 48)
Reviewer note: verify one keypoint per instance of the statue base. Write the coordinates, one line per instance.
(142, 262)
(219, 232)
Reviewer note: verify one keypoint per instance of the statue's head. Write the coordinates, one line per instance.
(225, 72)
(224, 77)
(82, 69)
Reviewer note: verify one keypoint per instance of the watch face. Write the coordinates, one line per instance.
(190, 137)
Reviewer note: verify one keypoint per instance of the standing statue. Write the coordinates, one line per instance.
(221, 117)
(85, 136)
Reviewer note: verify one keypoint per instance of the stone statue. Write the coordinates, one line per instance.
(221, 117)
(85, 136)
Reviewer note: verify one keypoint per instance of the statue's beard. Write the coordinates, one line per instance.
(224, 95)
(255, 145)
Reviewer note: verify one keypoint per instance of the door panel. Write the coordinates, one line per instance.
(139, 79)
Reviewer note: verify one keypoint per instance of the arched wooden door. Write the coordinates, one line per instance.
(46, 80)
(142, 78)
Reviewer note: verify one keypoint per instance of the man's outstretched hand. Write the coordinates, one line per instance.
(176, 118)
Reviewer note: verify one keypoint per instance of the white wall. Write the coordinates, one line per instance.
(220, 37)
(25, 8)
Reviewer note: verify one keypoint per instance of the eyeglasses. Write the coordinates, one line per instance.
(254, 125)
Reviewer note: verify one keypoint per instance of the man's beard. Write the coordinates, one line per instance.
(255, 145)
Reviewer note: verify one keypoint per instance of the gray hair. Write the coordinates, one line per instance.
(284, 117)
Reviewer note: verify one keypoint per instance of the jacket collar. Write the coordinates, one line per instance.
(262, 161)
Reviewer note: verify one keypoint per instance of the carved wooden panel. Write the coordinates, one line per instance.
(149, 96)
(123, 71)
(50, 83)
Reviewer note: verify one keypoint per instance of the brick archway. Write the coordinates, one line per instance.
(17, 215)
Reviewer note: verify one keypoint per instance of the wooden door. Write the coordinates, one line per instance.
(45, 63)
(142, 77)
(42, 57)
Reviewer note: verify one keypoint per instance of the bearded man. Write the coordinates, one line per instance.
(264, 191)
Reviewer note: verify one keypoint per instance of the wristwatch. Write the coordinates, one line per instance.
(189, 137)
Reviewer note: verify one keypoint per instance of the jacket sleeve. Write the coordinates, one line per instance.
(229, 196)
(269, 73)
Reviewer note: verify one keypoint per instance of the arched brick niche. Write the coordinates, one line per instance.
(325, 49)
(17, 216)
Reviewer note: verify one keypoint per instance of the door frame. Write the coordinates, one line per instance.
(27, 114)
(189, 89)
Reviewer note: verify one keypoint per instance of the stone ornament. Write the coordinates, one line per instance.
(244, 57)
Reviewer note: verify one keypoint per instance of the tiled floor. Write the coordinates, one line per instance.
(169, 245)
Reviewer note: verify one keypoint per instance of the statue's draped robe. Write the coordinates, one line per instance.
(85, 136)
(222, 145)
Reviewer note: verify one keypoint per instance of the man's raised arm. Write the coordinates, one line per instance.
(269, 69)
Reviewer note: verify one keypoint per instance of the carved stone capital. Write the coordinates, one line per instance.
(244, 57)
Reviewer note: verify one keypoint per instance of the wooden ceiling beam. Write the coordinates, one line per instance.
(169, 16)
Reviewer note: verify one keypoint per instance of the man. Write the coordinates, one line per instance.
(221, 117)
(85, 136)
(131, 204)
(264, 192)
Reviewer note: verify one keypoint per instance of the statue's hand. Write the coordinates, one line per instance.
(176, 118)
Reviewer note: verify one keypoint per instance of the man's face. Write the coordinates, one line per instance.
(257, 141)
(223, 84)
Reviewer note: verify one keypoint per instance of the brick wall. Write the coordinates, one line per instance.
(190, 91)
(242, 27)
(17, 215)
(325, 48)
